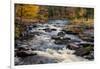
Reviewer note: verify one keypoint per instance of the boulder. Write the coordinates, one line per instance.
(34, 25)
(67, 38)
(72, 46)
(35, 33)
(86, 44)
(24, 54)
(90, 56)
(61, 41)
(88, 39)
(22, 48)
(47, 30)
(83, 51)
(62, 34)
(17, 43)
(54, 29)
(55, 37)
(69, 32)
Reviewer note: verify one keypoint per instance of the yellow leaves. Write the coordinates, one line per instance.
(82, 12)
(31, 11)
(27, 11)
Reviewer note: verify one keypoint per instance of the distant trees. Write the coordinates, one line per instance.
(29, 11)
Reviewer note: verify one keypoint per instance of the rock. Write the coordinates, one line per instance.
(23, 48)
(29, 27)
(88, 39)
(34, 25)
(90, 56)
(72, 46)
(55, 37)
(85, 44)
(83, 51)
(53, 29)
(69, 32)
(33, 49)
(47, 30)
(17, 60)
(24, 54)
(34, 33)
(62, 34)
(17, 43)
(67, 38)
(61, 41)
(75, 40)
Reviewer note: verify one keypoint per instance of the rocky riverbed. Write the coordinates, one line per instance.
(51, 43)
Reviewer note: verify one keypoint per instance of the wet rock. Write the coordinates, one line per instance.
(62, 34)
(83, 51)
(61, 41)
(17, 60)
(35, 33)
(88, 39)
(69, 32)
(72, 46)
(85, 44)
(75, 40)
(53, 29)
(24, 54)
(55, 37)
(33, 49)
(60, 38)
(17, 43)
(47, 30)
(22, 48)
(34, 25)
(90, 56)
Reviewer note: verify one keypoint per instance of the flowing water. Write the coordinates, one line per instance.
(47, 51)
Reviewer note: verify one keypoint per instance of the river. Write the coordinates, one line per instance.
(43, 45)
